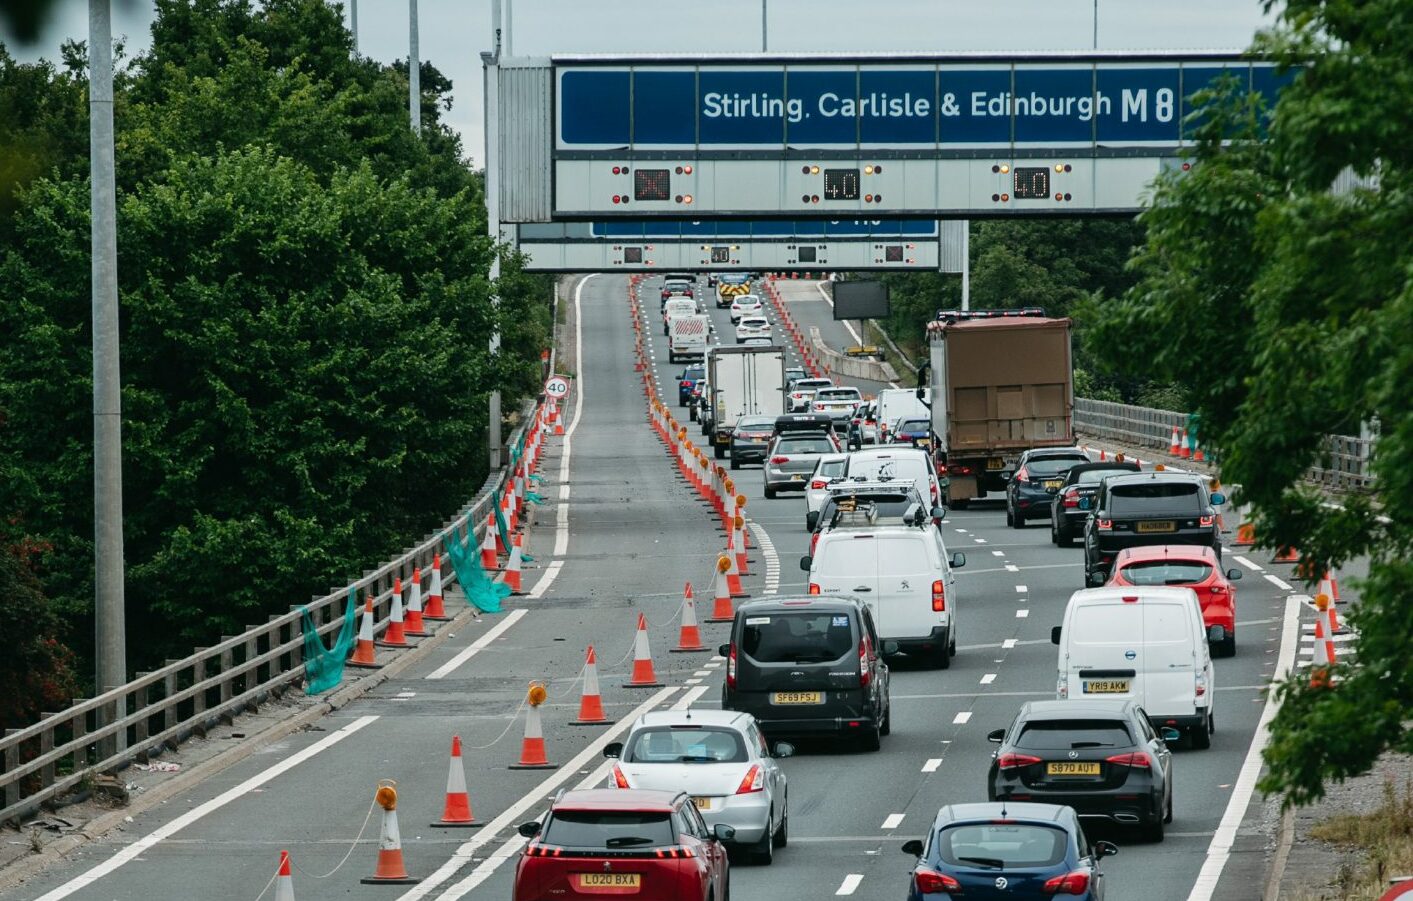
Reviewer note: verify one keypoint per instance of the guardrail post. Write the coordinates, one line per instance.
(12, 762)
(46, 744)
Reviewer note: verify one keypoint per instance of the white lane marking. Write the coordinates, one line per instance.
(702, 672)
(1012, 568)
(979, 540)
(466, 852)
(988, 678)
(932, 764)
(962, 531)
(961, 718)
(694, 681)
(1220, 848)
(564, 492)
(242, 790)
(772, 559)
(1254, 567)
(819, 286)
(893, 820)
(478, 645)
(998, 553)
(1008, 643)
(690, 698)
(1282, 585)
(1021, 589)
(851, 881)
(546, 580)
(1022, 614)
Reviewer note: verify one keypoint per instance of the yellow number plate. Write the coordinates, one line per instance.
(1071, 768)
(1105, 686)
(797, 697)
(995, 463)
(1158, 525)
(609, 883)
(1053, 484)
(702, 803)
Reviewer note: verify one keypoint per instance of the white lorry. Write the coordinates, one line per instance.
(745, 380)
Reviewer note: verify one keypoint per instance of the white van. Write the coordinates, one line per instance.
(1144, 643)
(687, 337)
(675, 307)
(903, 574)
(900, 403)
(896, 461)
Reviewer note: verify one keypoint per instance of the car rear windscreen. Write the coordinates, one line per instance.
(1051, 466)
(882, 507)
(673, 744)
(830, 468)
(797, 637)
(1156, 497)
(1002, 845)
(1095, 476)
(1069, 735)
(914, 425)
(804, 444)
(900, 466)
(1166, 572)
(609, 829)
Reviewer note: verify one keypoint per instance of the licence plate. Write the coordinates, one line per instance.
(797, 477)
(702, 803)
(1071, 768)
(1053, 485)
(1105, 686)
(609, 883)
(995, 463)
(1157, 525)
(797, 697)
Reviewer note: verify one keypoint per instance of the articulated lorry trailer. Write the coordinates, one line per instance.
(1001, 382)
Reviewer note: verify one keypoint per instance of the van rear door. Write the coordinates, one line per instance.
(806, 650)
(908, 563)
(847, 563)
(1103, 648)
(1169, 658)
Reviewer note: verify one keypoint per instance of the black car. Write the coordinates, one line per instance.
(1039, 474)
(687, 380)
(1147, 508)
(1066, 517)
(1101, 757)
(750, 438)
(805, 666)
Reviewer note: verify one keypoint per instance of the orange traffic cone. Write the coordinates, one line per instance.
(690, 638)
(1102, 457)
(1286, 555)
(1175, 446)
(512, 568)
(395, 636)
(1185, 448)
(643, 675)
(488, 550)
(457, 810)
(1245, 535)
(494, 529)
(413, 624)
(532, 749)
(733, 572)
(591, 703)
(284, 882)
(390, 869)
(738, 540)
(1197, 456)
(363, 648)
(435, 610)
(1327, 602)
(722, 610)
(1329, 587)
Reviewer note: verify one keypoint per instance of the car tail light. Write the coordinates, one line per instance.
(869, 422)
(731, 667)
(864, 650)
(619, 779)
(814, 541)
(1136, 759)
(754, 781)
(1070, 498)
(930, 882)
(1062, 687)
(779, 459)
(957, 469)
(1206, 521)
(674, 853)
(685, 383)
(1199, 686)
(1105, 525)
(539, 850)
(818, 484)
(1076, 883)
(939, 596)
(1012, 761)
(932, 486)
(1022, 475)
(814, 588)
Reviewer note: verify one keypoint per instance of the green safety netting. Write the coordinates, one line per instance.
(481, 592)
(323, 667)
(501, 527)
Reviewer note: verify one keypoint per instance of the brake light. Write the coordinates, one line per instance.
(674, 853)
(685, 383)
(930, 883)
(754, 780)
(1199, 686)
(1206, 521)
(1070, 498)
(863, 661)
(958, 469)
(1022, 475)
(779, 459)
(619, 779)
(814, 541)
(933, 487)
(1012, 761)
(1135, 759)
(731, 667)
(818, 484)
(939, 596)
(1105, 525)
(1076, 883)
(539, 850)
(869, 422)
(814, 588)
(1217, 589)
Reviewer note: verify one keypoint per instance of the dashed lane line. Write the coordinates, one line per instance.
(893, 820)
(988, 678)
(481, 643)
(1254, 567)
(1279, 583)
(961, 718)
(1022, 589)
(932, 764)
(850, 884)
(1022, 614)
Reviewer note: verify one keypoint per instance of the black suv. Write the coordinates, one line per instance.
(806, 666)
(1101, 757)
(1066, 516)
(1147, 508)
(1039, 474)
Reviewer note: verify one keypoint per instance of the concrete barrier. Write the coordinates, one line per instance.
(851, 367)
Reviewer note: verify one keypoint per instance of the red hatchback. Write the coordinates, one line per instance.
(648, 844)
(1187, 566)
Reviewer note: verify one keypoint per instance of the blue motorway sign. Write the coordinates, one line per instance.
(735, 229)
(940, 105)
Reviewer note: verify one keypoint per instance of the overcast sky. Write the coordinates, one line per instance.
(454, 32)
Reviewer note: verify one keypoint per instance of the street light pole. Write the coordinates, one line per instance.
(491, 62)
(353, 23)
(414, 69)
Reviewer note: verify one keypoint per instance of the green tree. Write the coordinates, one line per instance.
(36, 668)
(1285, 307)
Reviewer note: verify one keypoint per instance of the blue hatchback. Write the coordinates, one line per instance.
(1014, 851)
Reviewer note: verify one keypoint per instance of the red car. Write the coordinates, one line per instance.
(649, 844)
(1187, 566)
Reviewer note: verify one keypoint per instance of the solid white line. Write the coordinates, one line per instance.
(932, 764)
(1282, 585)
(1220, 848)
(1247, 563)
(546, 580)
(478, 645)
(988, 678)
(242, 790)
(961, 718)
(819, 286)
(892, 820)
(851, 881)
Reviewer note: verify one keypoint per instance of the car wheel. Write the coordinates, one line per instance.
(782, 835)
(1200, 738)
(1168, 813)
(692, 414)
(811, 520)
(887, 727)
(1227, 646)
(961, 503)
(735, 464)
(871, 740)
(1153, 832)
(769, 493)
(1010, 519)
(718, 452)
(943, 658)
(1064, 539)
(763, 851)
(1054, 535)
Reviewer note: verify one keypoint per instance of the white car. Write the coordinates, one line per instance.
(826, 468)
(746, 305)
(837, 400)
(894, 461)
(721, 759)
(752, 327)
(802, 393)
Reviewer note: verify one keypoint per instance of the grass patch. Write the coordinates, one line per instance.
(1384, 837)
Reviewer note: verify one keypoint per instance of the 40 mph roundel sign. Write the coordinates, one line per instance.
(556, 386)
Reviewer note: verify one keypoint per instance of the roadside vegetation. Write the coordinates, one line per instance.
(1384, 836)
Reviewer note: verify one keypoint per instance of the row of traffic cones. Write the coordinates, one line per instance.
(1184, 447)
(402, 622)
(794, 331)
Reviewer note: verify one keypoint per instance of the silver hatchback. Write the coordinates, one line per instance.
(791, 459)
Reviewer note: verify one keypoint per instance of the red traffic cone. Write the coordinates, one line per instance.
(738, 540)
(413, 621)
(457, 810)
(390, 869)
(591, 704)
(1185, 448)
(488, 550)
(690, 638)
(363, 648)
(284, 882)
(435, 610)
(733, 573)
(722, 610)
(532, 749)
(1175, 446)
(493, 529)
(643, 675)
(395, 636)
(512, 568)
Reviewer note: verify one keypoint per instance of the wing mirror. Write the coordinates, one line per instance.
(959, 560)
(724, 650)
(1218, 498)
(1168, 733)
(1105, 849)
(1054, 634)
(530, 829)
(1234, 575)
(890, 648)
(805, 562)
(939, 512)
(913, 847)
(1096, 579)
(783, 749)
(724, 833)
(996, 736)
(1086, 503)
(613, 750)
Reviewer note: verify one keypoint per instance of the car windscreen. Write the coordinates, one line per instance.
(694, 372)
(671, 744)
(830, 468)
(1091, 477)
(1068, 735)
(797, 637)
(914, 425)
(813, 384)
(1155, 497)
(754, 323)
(804, 444)
(1002, 845)
(755, 423)
(609, 829)
(1166, 572)
(1051, 466)
(888, 467)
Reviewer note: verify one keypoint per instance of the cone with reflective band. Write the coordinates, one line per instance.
(722, 610)
(390, 869)
(412, 620)
(363, 652)
(284, 882)
(1185, 448)
(532, 749)
(434, 609)
(1197, 455)
(457, 809)
(1245, 535)
(733, 572)
(643, 675)
(738, 541)
(1322, 601)
(512, 569)
(1175, 446)
(493, 528)
(488, 550)
(690, 638)
(746, 540)
(591, 703)
(1329, 587)
(395, 636)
